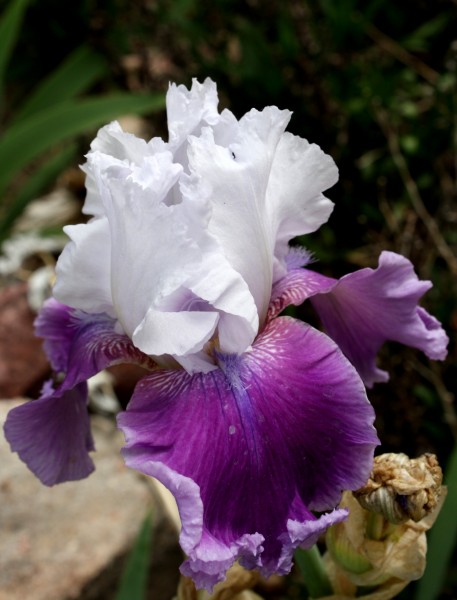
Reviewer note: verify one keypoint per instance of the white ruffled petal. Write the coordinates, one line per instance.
(198, 226)
(117, 143)
(158, 252)
(217, 282)
(84, 268)
(198, 362)
(295, 203)
(238, 176)
(113, 145)
(227, 129)
(224, 289)
(189, 110)
(175, 333)
(153, 253)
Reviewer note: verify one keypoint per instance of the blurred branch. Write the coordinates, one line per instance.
(407, 238)
(433, 375)
(392, 47)
(455, 140)
(388, 214)
(413, 191)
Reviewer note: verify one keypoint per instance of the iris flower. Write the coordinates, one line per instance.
(254, 421)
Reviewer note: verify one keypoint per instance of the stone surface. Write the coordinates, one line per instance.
(23, 363)
(69, 541)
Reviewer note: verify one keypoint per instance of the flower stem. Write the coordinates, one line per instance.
(378, 527)
(313, 571)
(375, 526)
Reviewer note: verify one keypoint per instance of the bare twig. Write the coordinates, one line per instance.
(413, 191)
(392, 47)
(388, 214)
(455, 139)
(433, 375)
(447, 182)
(407, 238)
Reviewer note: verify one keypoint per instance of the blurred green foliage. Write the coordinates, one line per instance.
(133, 583)
(373, 82)
(48, 116)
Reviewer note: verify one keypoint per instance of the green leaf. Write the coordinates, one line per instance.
(409, 143)
(35, 185)
(418, 40)
(74, 75)
(442, 539)
(135, 577)
(313, 571)
(9, 29)
(25, 141)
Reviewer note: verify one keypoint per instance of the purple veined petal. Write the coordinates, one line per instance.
(81, 344)
(251, 448)
(52, 434)
(55, 325)
(296, 287)
(371, 306)
(212, 558)
(366, 308)
(305, 534)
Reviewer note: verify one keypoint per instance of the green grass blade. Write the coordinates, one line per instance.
(35, 185)
(442, 539)
(135, 577)
(10, 25)
(75, 75)
(25, 141)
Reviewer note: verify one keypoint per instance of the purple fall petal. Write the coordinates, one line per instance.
(305, 534)
(52, 434)
(80, 344)
(366, 308)
(55, 325)
(296, 287)
(250, 448)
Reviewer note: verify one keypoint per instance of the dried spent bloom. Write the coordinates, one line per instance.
(252, 420)
(401, 488)
(380, 545)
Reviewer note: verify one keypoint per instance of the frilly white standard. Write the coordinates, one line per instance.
(188, 237)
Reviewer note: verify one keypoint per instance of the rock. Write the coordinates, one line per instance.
(23, 364)
(69, 541)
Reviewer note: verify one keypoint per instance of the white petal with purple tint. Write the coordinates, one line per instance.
(199, 224)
